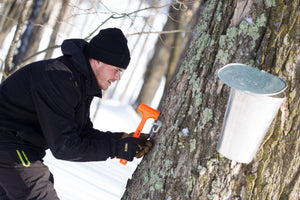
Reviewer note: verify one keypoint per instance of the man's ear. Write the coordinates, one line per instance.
(93, 62)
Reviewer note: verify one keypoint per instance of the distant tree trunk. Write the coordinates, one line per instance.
(10, 12)
(148, 20)
(31, 38)
(62, 12)
(22, 19)
(168, 48)
(263, 34)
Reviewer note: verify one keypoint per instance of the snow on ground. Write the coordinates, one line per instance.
(98, 180)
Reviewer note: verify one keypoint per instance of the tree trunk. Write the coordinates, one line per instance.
(168, 49)
(34, 31)
(62, 12)
(184, 163)
(10, 11)
(8, 61)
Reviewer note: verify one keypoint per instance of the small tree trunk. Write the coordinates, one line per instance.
(13, 47)
(31, 38)
(62, 12)
(10, 12)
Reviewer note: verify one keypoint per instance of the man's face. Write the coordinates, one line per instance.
(105, 74)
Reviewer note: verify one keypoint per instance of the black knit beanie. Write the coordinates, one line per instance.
(110, 47)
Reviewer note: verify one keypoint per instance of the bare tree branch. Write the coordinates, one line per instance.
(37, 53)
(160, 32)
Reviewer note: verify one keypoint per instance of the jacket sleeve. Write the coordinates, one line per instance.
(56, 94)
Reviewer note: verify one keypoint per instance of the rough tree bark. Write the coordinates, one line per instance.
(263, 34)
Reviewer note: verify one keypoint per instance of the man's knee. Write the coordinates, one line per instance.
(31, 182)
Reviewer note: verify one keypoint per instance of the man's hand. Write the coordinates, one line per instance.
(129, 147)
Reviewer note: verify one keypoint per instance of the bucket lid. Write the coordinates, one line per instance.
(246, 78)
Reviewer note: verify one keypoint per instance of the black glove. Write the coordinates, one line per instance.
(129, 147)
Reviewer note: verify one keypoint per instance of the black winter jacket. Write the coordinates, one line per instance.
(47, 104)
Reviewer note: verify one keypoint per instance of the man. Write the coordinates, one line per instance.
(46, 105)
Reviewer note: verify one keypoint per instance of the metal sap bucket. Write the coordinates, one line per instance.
(255, 98)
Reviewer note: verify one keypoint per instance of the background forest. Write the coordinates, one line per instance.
(34, 30)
